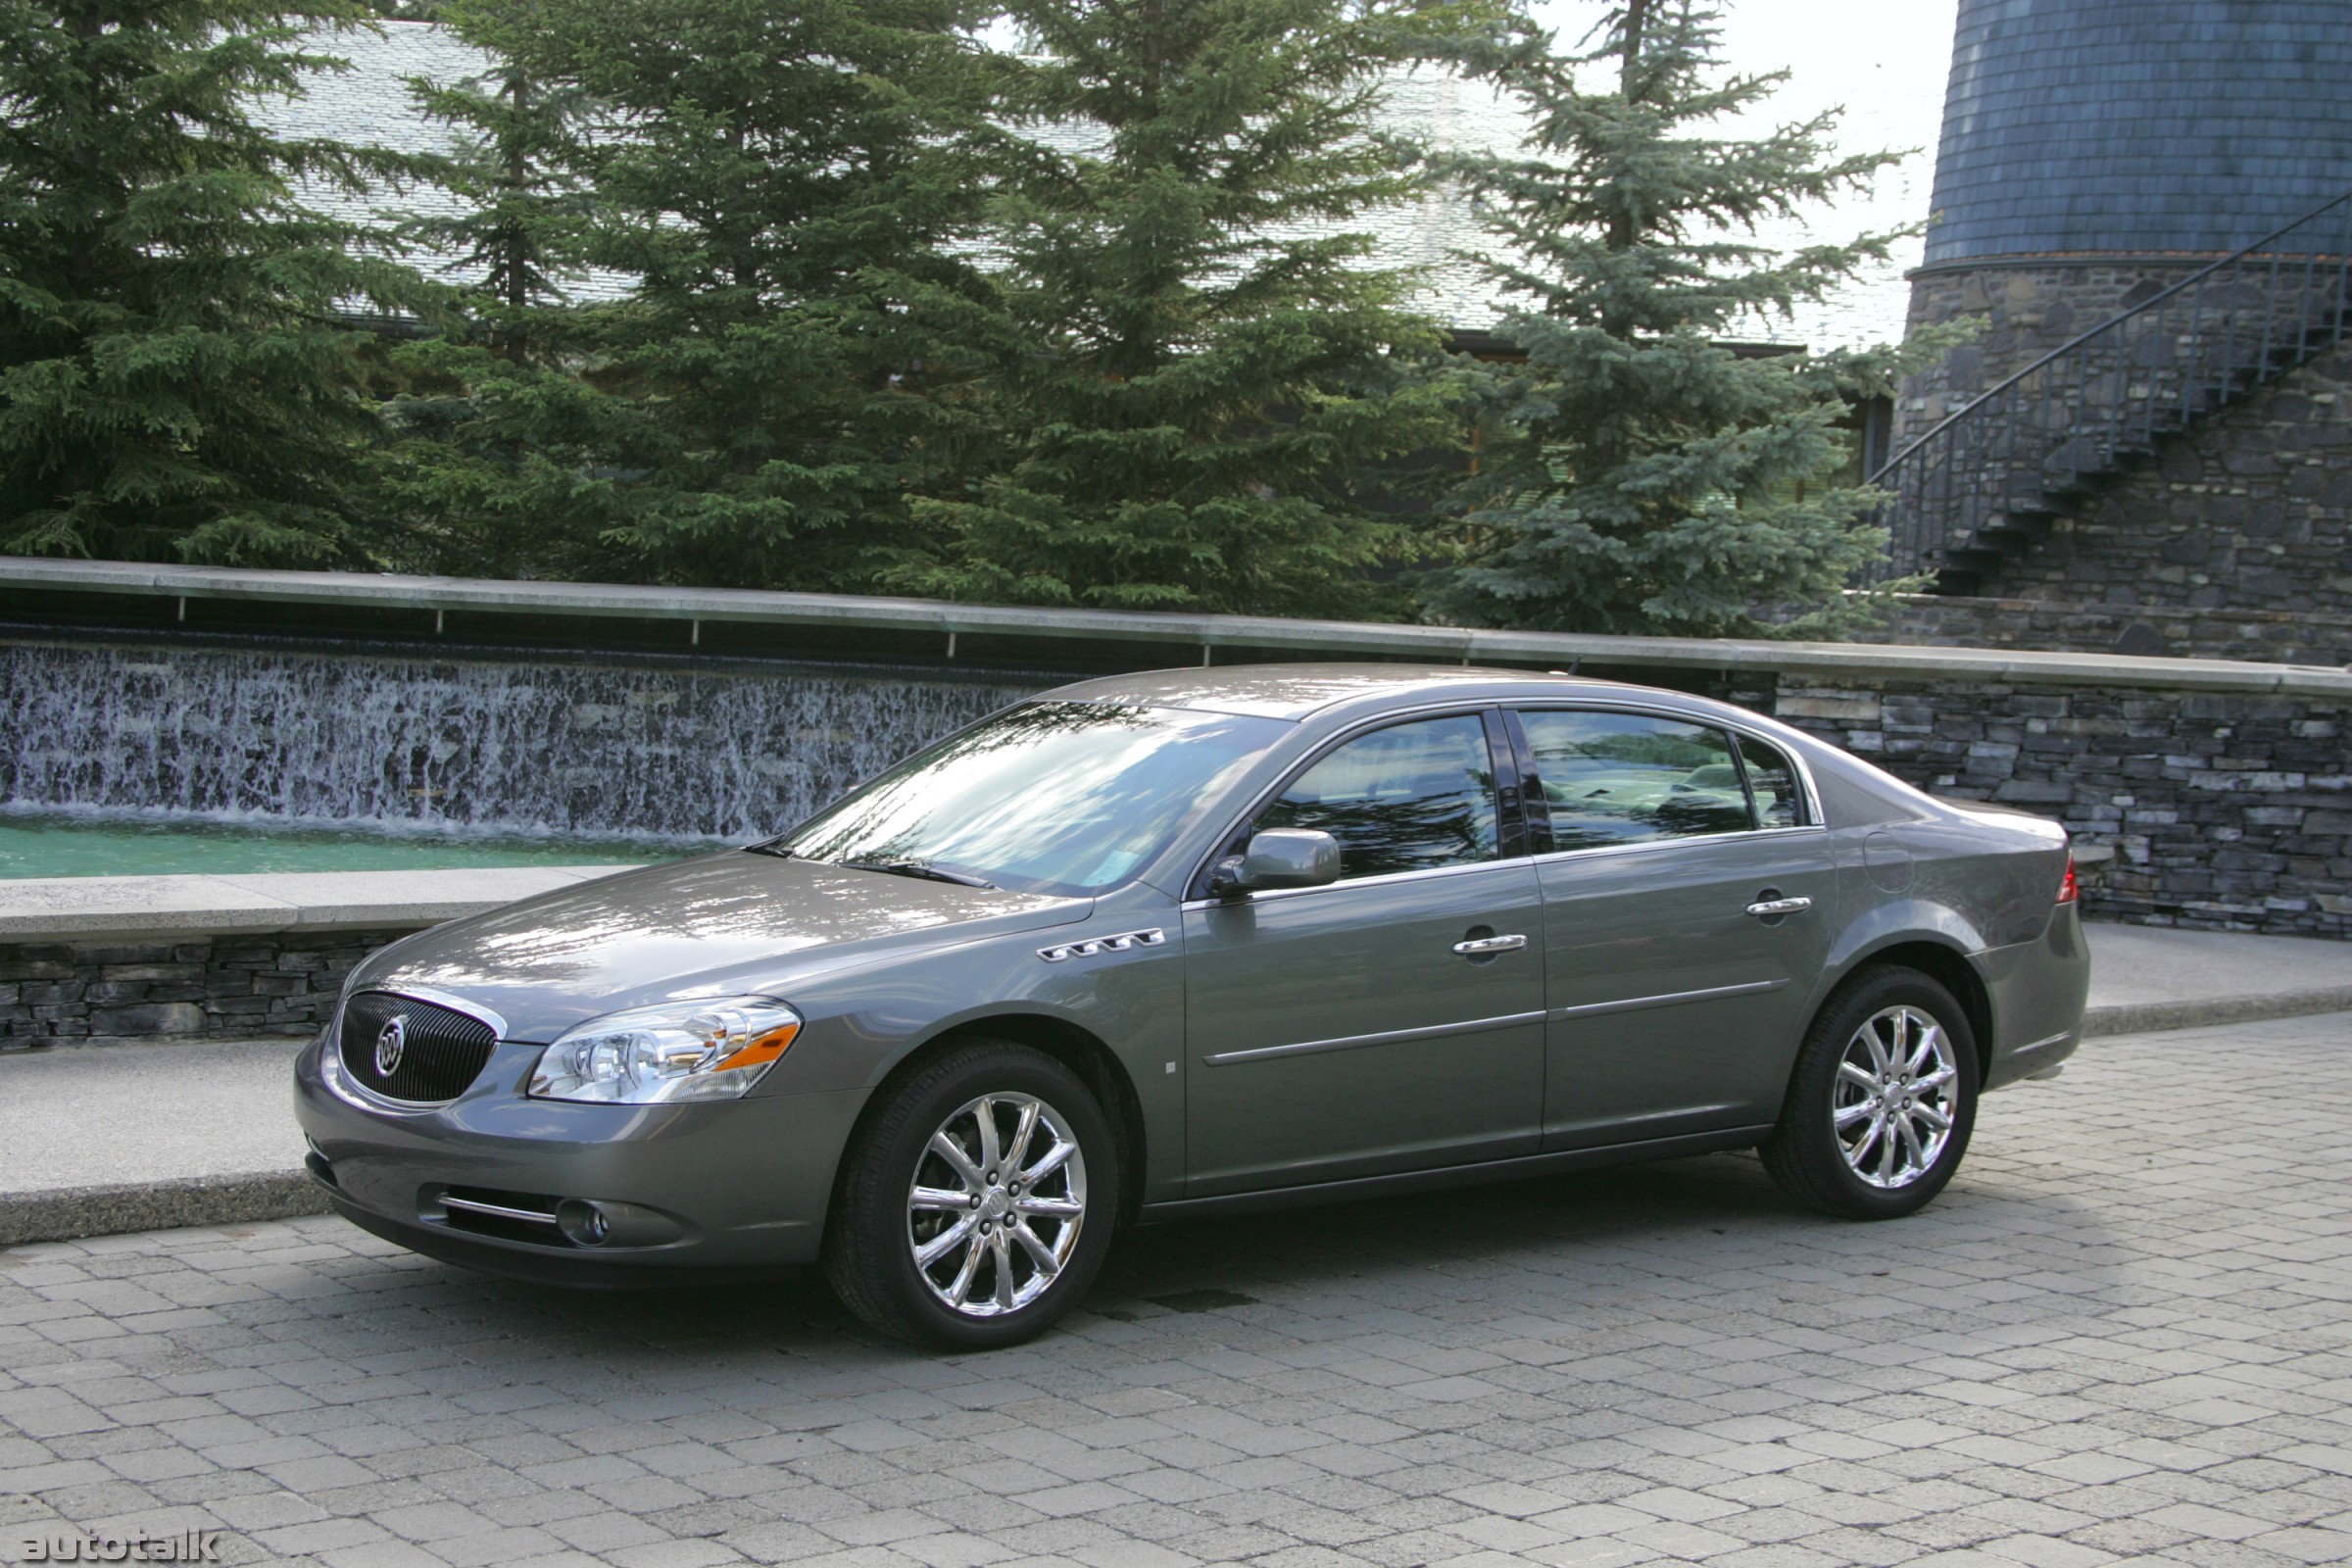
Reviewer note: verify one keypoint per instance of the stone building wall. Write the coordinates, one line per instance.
(2022, 312)
(224, 987)
(2157, 631)
(2249, 510)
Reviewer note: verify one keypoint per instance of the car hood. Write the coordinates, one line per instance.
(721, 925)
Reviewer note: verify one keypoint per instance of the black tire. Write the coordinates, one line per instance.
(1805, 1154)
(869, 1256)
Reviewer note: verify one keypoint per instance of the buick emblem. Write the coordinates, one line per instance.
(390, 1045)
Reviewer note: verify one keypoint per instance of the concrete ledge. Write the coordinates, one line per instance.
(1450, 645)
(85, 909)
(66, 1213)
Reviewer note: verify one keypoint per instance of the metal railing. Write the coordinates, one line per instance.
(1973, 487)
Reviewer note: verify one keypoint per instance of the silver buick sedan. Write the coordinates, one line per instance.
(1194, 943)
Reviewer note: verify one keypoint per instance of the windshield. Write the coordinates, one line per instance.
(1067, 798)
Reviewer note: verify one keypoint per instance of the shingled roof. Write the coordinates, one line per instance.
(369, 105)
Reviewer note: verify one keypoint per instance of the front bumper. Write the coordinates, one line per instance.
(734, 1187)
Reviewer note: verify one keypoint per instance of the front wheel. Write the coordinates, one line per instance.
(975, 1207)
(1883, 1100)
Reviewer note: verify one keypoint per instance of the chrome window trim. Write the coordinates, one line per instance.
(1384, 879)
(1456, 707)
(1521, 704)
(1645, 845)
(1797, 760)
(1385, 1037)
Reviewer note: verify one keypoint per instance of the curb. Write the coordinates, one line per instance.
(66, 1213)
(63, 1213)
(2154, 1018)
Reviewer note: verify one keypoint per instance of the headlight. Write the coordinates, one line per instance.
(660, 1055)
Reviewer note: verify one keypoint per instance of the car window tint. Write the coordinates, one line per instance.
(1772, 778)
(1620, 778)
(1402, 799)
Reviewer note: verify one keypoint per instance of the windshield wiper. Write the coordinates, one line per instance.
(921, 868)
(775, 847)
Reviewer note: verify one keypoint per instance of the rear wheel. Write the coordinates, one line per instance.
(974, 1208)
(1883, 1100)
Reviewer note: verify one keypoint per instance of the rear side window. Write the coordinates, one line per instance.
(1408, 798)
(1624, 778)
(1772, 779)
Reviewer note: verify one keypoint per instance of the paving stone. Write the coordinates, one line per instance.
(2118, 1335)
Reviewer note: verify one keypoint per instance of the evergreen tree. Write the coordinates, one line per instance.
(179, 373)
(1203, 378)
(494, 430)
(1641, 475)
(784, 187)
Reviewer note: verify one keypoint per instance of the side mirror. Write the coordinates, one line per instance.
(1281, 857)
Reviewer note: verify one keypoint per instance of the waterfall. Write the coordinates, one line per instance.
(398, 741)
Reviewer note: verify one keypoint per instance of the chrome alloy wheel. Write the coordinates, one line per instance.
(998, 1198)
(1897, 1097)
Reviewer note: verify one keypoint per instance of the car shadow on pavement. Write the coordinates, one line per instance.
(1708, 1226)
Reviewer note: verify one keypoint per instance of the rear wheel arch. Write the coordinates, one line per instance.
(1941, 962)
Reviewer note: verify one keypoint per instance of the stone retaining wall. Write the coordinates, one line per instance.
(2225, 812)
(224, 987)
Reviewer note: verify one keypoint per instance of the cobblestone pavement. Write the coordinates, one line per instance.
(2122, 1334)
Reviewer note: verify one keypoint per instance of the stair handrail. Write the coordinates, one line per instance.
(2109, 324)
(1907, 516)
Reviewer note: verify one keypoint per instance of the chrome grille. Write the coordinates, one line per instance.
(441, 1050)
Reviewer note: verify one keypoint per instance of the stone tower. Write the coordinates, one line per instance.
(2096, 153)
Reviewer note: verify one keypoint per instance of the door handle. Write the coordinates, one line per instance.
(1769, 908)
(1478, 947)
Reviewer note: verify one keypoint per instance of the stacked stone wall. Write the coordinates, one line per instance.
(2225, 811)
(223, 987)
(2022, 312)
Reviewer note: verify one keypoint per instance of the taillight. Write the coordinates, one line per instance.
(2069, 890)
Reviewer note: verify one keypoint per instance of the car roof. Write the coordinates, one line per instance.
(1296, 691)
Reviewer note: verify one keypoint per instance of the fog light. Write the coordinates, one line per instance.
(582, 1224)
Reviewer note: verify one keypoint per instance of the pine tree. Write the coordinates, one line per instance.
(489, 429)
(179, 374)
(784, 188)
(1204, 375)
(1641, 475)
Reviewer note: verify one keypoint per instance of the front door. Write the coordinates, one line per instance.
(1391, 1020)
(1677, 994)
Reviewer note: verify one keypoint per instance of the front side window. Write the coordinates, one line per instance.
(1624, 778)
(1063, 798)
(1408, 798)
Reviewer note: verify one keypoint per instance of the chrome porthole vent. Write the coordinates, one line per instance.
(1124, 942)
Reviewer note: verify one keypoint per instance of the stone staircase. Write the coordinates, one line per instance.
(1981, 486)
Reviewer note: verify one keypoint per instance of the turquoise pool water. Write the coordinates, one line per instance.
(46, 844)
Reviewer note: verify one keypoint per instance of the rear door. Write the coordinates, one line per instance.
(1392, 1020)
(1687, 917)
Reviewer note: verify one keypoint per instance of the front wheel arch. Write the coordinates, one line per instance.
(1076, 1048)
